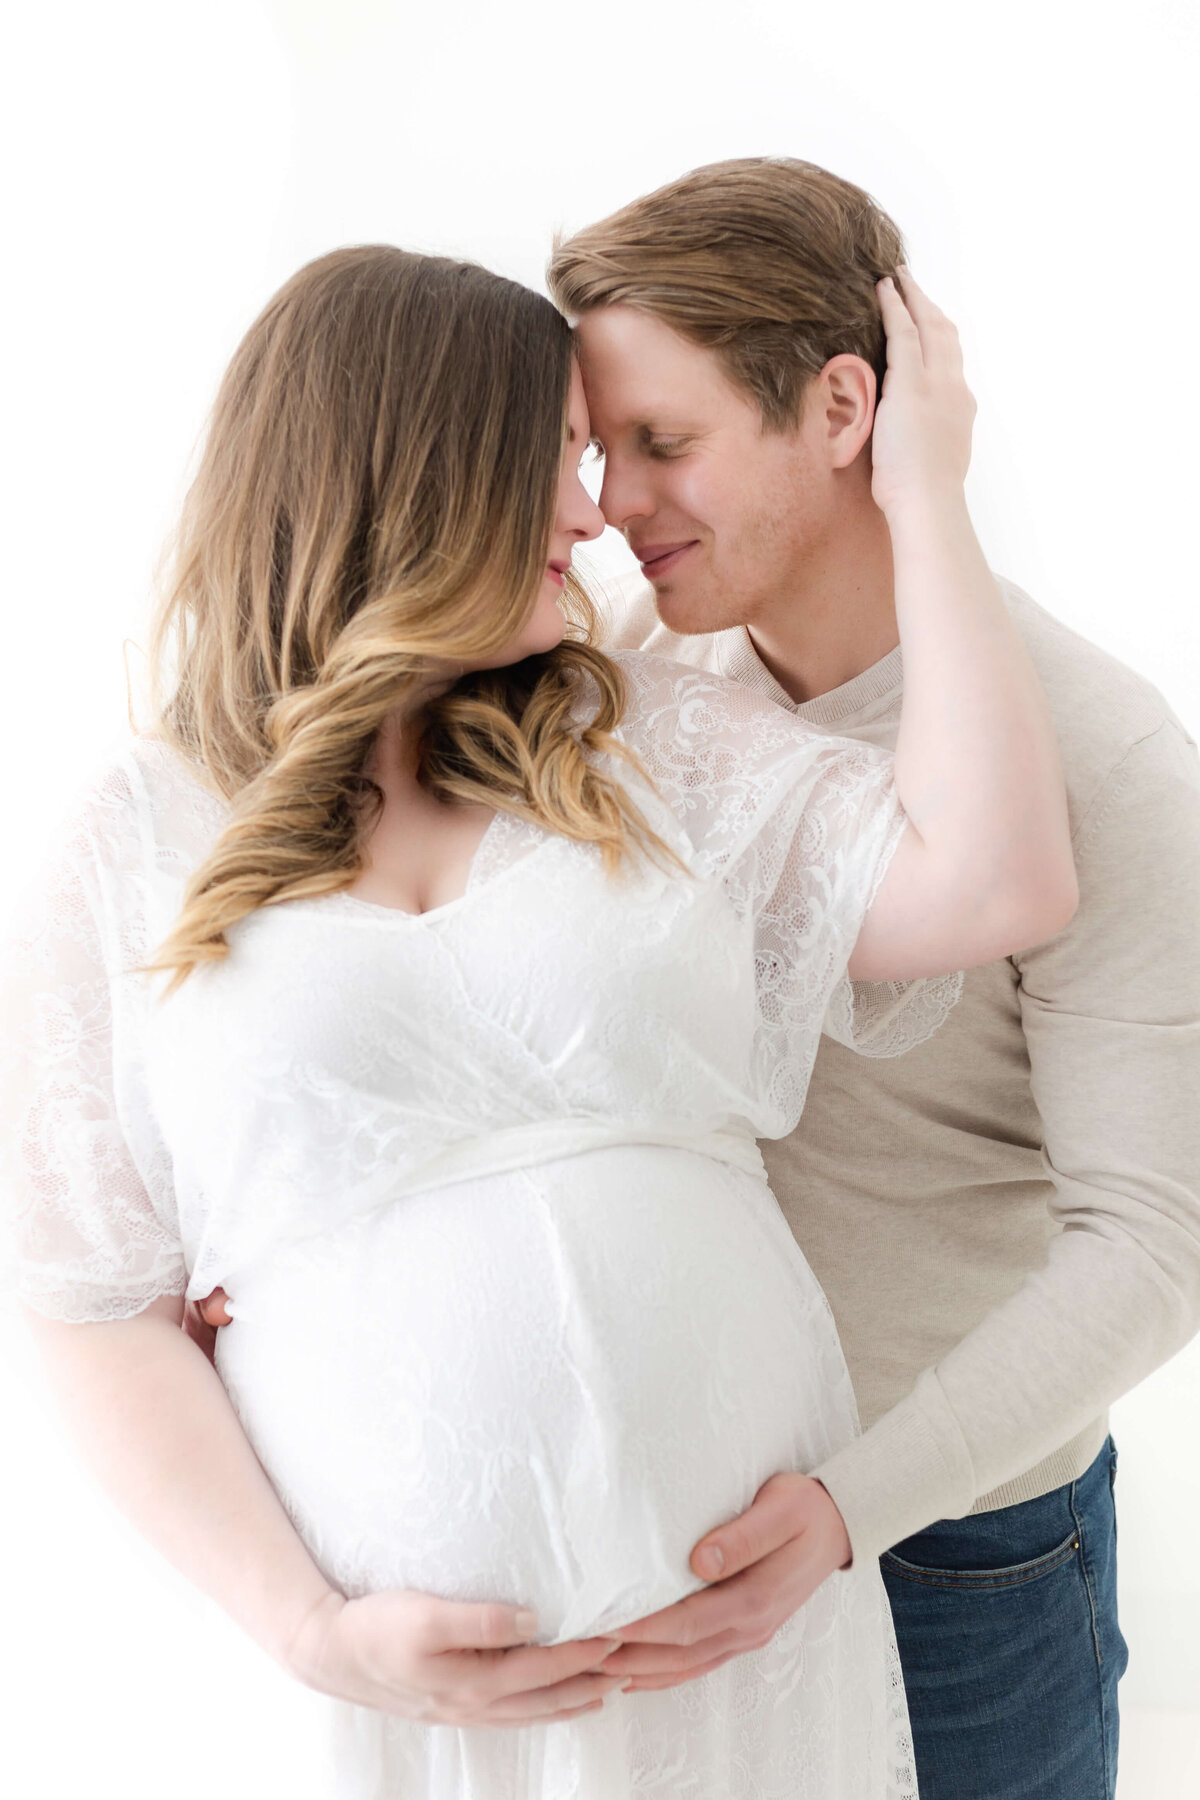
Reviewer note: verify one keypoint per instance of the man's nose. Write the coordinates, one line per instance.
(623, 495)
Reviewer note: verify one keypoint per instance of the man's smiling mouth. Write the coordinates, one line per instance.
(657, 559)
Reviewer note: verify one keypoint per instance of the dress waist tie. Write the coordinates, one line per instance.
(492, 1153)
(551, 1140)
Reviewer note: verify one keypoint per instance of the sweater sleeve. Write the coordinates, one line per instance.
(1111, 1013)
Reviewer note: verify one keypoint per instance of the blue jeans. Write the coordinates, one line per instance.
(1008, 1634)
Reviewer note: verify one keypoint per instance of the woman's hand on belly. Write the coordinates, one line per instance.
(444, 1662)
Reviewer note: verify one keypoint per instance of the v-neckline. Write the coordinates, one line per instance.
(379, 909)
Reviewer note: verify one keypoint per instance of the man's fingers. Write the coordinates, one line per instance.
(771, 1521)
(213, 1310)
(700, 1616)
(201, 1333)
(753, 1604)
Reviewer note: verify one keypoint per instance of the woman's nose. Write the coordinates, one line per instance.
(586, 519)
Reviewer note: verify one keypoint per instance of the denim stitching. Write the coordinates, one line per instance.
(1091, 1599)
(976, 1580)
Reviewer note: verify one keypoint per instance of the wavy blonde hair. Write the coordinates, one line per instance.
(376, 496)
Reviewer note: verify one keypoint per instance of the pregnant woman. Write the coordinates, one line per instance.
(430, 974)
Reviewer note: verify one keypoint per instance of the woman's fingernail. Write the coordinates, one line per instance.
(711, 1561)
(526, 1623)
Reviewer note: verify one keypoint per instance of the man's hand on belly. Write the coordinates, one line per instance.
(202, 1319)
(762, 1567)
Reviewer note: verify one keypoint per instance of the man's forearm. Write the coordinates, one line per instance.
(1034, 1373)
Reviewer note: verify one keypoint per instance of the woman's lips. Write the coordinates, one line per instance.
(658, 559)
(555, 574)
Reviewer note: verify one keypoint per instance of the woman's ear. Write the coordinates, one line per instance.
(845, 404)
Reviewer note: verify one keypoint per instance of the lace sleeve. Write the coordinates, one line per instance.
(810, 874)
(803, 827)
(92, 1227)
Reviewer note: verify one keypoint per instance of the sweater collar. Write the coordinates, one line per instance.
(738, 659)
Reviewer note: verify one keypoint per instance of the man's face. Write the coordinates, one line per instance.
(724, 517)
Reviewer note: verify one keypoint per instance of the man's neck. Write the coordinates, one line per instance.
(836, 617)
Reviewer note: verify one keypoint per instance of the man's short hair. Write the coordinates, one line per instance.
(767, 261)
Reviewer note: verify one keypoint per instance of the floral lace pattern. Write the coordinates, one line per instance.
(549, 1367)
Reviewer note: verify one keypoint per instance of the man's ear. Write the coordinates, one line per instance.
(844, 400)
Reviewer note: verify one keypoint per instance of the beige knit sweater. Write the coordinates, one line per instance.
(1007, 1220)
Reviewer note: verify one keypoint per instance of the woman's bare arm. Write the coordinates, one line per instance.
(985, 867)
(154, 1422)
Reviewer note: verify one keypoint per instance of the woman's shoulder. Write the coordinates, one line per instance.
(666, 696)
(723, 760)
(133, 797)
(681, 718)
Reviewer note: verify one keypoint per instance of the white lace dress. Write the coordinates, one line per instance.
(516, 1316)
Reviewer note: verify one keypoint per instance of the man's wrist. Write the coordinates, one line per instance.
(910, 1468)
(845, 1547)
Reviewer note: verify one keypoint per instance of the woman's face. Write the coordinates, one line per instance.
(577, 519)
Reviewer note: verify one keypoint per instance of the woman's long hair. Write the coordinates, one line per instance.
(376, 496)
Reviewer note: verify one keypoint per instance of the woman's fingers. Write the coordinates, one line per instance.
(488, 1647)
(537, 1667)
(903, 338)
(938, 334)
(549, 1703)
(556, 1718)
(648, 1684)
(466, 1625)
(672, 1659)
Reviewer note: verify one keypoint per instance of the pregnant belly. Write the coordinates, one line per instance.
(540, 1387)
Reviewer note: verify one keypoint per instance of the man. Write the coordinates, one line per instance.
(1006, 1220)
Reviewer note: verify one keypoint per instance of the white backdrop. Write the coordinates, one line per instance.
(174, 163)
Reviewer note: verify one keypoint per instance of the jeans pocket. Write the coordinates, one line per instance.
(981, 1580)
